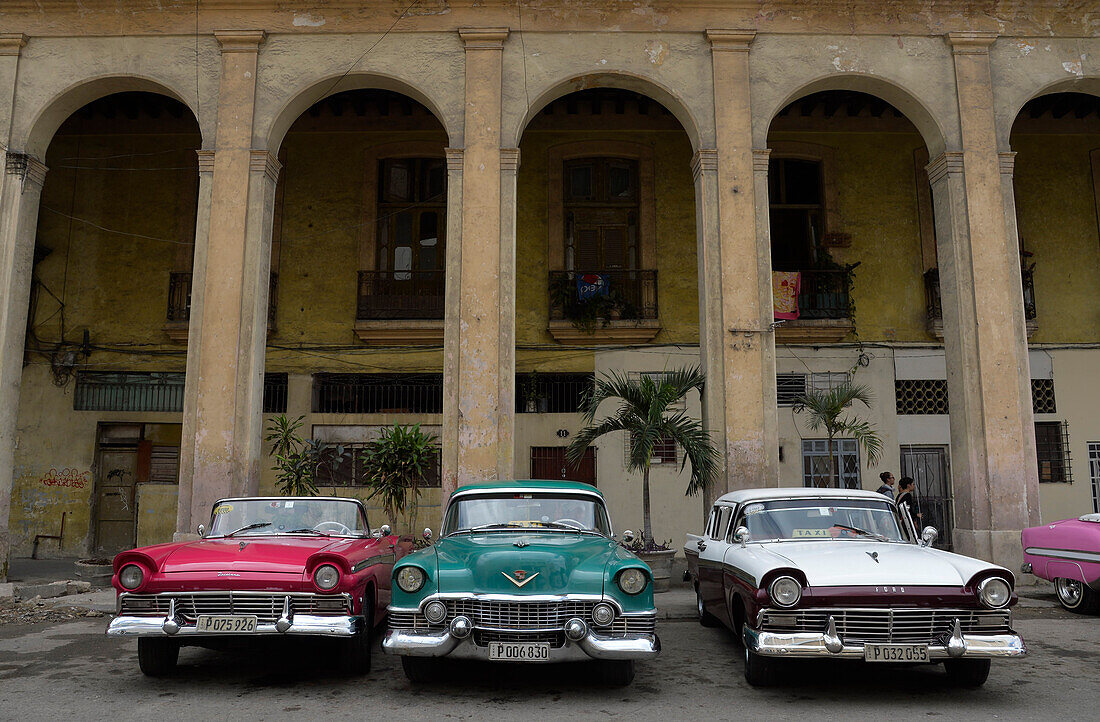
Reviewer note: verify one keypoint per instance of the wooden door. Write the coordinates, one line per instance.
(116, 501)
(548, 462)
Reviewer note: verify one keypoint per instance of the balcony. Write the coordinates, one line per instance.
(824, 308)
(400, 307)
(179, 305)
(934, 308)
(603, 306)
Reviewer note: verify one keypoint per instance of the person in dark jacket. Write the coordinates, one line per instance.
(907, 502)
(887, 488)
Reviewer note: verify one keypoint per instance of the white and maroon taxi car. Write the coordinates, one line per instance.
(834, 573)
(275, 566)
(1067, 553)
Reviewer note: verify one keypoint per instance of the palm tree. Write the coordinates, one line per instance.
(825, 409)
(644, 412)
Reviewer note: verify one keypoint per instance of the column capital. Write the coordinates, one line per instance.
(206, 160)
(240, 41)
(1008, 162)
(454, 159)
(483, 38)
(509, 159)
(705, 160)
(27, 167)
(265, 162)
(737, 41)
(971, 42)
(12, 43)
(760, 159)
(944, 164)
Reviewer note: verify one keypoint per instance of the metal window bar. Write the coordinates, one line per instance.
(789, 387)
(128, 391)
(276, 388)
(335, 393)
(400, 295)
(1094, 473)
(351, 471)
(1052, 452)
(552, 393)
(627, 295)
(921, 396)
(934, 299)
(824, 293)
(1042, 396)
(179, 297)
(815, 463)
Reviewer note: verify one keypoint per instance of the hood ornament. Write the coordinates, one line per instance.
(873, 555)
(520, 543)
(519, 577)
(241, 546)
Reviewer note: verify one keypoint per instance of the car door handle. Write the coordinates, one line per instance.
(701, 545)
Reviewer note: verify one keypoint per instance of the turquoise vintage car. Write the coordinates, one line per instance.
(524, 571)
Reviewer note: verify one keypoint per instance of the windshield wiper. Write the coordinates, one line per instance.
(862, 532)
(246, 527)
(496, 525)
(306, 531)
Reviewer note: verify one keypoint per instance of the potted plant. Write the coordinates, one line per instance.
(394, 464)
(824, 409)
(646, 411)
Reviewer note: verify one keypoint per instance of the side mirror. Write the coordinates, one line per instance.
(628, 536)
(385, 529)
(427, 535)
(741, 535)
(929, 536)
(202, 531)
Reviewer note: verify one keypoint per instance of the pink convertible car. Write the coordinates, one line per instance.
(1067, 553)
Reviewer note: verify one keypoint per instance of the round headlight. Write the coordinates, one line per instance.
(994, 592)
(410, 579)
(603, 614)
(326, 577)
(632, 581)
(785, 592)
(435, 612)
(131, 576)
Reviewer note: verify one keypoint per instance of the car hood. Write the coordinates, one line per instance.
(523, 563)
(871, 563)
(245, 554)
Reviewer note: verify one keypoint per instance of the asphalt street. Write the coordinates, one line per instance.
(71, 670)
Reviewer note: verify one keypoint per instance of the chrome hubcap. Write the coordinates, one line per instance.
(1069, 591)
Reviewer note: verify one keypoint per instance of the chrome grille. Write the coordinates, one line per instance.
(921, 626)
(267, 607)
(555, 639)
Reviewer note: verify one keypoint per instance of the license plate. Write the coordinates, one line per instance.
(230, 624)
(895, 652)
(516, 652)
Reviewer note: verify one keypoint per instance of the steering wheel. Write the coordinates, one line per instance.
(333, 526)
(570, 522)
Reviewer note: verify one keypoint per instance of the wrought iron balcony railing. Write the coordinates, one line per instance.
(601, 296)
(179, 298)
(401, 295)
(935, 303)
(824, 293)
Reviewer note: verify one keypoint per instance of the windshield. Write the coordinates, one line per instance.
(806, 519)
(266, 517)
(541, 511)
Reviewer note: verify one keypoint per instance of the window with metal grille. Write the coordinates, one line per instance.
(128, 391)
(350, 471)
(377, 393)
(828, 380)
(789, 387)
(1094, 473)
(679, 405)
(552, 393)
(664, 451)
(921, 396)
(1052, 451)
(1042, 396)
(275, 393)
(815, 463)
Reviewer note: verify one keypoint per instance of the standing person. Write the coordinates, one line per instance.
(887, 488)
(907, 502)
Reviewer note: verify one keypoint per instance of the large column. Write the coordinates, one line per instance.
(995, 474)
(737, 344)
(228, 330)
(480, 327)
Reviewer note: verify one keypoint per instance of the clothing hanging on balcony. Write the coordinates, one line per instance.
(785, 288)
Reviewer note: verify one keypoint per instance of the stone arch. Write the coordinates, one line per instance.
(614, 79)
(271, 136)
(1085, 85)
(915, 110)
(50, 117)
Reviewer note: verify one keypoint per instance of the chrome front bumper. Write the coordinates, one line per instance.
(300, 624)
(591, 645)
(811, 644)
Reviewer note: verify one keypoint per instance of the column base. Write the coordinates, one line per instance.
(995, 546)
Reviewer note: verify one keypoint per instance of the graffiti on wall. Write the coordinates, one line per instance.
(66, 478)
